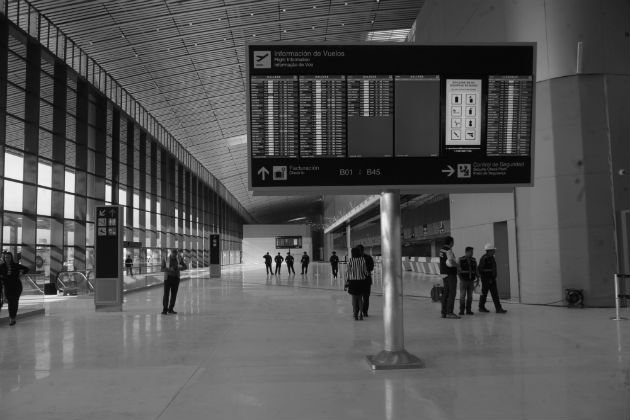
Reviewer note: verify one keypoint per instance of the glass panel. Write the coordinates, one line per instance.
(68, 259)
(44, 197)
(122, 196)
(69, 184)
(44, 174)
(45, 143)
(13, 166)
(68, 233)
(89, 234)
(12, 228)
(43, 231)
(89, 259)
(15, 132)
(108, 194)
(68, 206)
(13, 195)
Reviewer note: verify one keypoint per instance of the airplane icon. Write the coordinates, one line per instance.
(261, 57)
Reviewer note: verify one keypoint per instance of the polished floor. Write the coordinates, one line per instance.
(251, 347)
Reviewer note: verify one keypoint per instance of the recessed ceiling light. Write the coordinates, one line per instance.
(168, 49)
(345, 4)
(122, 36)
(343, 24)
(190, 24)
(225, 39)
(372, 21)
(284, 10)
(219, 19)
(195, 44)
(254, 35)
(312, 27)
(157, 29)
(91, 43)
(314, 7)
(251, 14)
(285, 31)
(136, 54)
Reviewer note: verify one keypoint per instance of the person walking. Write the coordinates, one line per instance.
(467, 275)
(305, 261)
(129, 265)
(369, 264)
(10, 273)
(268, 260)
(334, 264)
(289, 260)
(448, 268)
(278, 259)
(488, 274)
(171, 266)
(356, 281)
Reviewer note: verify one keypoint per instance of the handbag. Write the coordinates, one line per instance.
(477, 287)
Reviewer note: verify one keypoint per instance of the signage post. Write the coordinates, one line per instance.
(362, 118)
(108, 288)
(215, 256)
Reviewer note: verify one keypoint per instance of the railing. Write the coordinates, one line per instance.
(619, 296)
(74, 283)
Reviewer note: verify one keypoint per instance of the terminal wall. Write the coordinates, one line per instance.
(259, 239)
(568, 225)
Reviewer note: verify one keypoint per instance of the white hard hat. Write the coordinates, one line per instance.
(489, 246)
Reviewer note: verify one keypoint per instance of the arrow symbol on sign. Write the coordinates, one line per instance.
(263, 172)
(450, 171)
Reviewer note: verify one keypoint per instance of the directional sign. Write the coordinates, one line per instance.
(370, 116)
(263, 172)
(448, 171)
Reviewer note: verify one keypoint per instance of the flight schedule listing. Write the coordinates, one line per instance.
(274, 116)
(509, 116)
(322, 114)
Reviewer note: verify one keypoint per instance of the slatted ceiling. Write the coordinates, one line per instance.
(198, 91)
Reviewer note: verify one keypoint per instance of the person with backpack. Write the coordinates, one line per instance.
(356, 282)
(268, 260)
(278, 259)
(369, 264)
(488, 274)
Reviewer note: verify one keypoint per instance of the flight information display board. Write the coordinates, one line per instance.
(377, 115)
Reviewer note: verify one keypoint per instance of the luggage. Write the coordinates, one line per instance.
(437, 292)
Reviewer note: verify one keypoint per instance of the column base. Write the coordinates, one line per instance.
(387, 360)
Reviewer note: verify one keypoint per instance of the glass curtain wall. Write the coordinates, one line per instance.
(65, 148)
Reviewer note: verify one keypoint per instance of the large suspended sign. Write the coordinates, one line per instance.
(372, 116)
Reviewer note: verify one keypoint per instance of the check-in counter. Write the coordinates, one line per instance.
(435, 265)
(424, 268)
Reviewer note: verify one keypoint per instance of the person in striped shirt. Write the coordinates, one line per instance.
(356, 281)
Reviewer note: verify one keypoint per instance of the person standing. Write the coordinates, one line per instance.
(172, 266)
(356, 282)
(289, 260)
(305, 260)
(10, 273)
(278, 259)
(369, 264)
(129, 265)
(467, 276)
(268, 260)
(334, 264)
(488, 274)
(448, 268)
